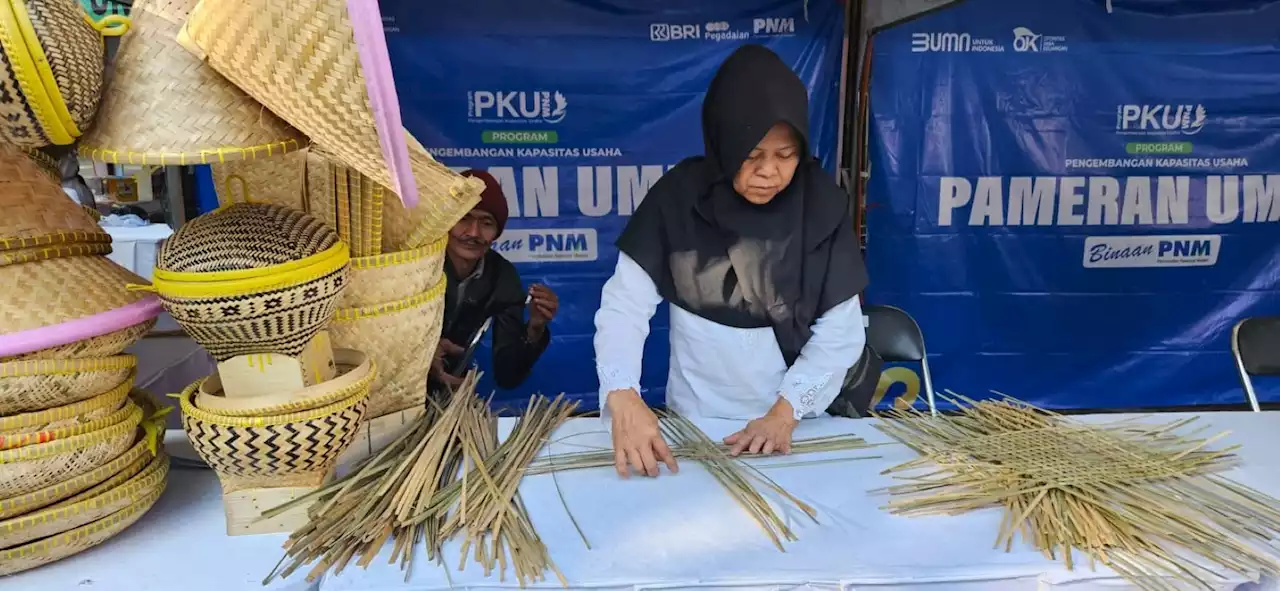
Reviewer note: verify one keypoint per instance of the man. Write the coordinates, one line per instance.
(482, 285)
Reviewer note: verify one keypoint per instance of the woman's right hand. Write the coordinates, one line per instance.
(636, 438)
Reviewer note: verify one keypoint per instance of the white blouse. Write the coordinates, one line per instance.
(720, 371)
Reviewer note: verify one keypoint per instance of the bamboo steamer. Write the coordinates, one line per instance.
(397, 335)
(33, 385)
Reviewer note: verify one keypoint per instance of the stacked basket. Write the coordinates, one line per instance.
(75, 468)
(256, 285)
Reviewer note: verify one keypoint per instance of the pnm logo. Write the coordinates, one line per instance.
(1025, 40)
(774, 27)
(540, 106)
(670, 32)
(1160, 119)
(1151, 251)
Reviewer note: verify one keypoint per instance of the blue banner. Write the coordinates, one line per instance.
(1077, 206)
(578, 107)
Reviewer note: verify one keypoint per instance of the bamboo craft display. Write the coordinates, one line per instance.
(446, 477)
(1138, 498)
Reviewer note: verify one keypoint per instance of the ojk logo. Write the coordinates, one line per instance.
(1160, 119)
(673, 32)
(1025, 40)
(516, 106)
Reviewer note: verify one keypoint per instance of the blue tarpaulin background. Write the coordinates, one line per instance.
(577, 107)
(1076, 205)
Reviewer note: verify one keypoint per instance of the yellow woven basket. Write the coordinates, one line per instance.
(296, 449)
(63, 421)
(393, 276)
(385, 333)
(33, 385)
(356, 372)
(33, 467)
(51, 549)
(136, 456)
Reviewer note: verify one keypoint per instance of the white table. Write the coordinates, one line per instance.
(134, 248)
(672, 532)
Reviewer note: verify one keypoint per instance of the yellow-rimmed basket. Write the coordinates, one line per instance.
(88, 507)
(289, 450)
(33, 467)
(356, 372)
(51, 71)
(82, 417)
(279, 180)
(107, 345)
(33, 385)
(393, 276)
(165, 106)
(44, 253)
(66, 415)
(135, 457)
(54, 548)
(398, 336)
(252, 278)
(37, 212)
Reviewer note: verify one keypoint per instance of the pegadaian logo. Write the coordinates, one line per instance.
(1118, 252)
(516, 106)
(1160, 119)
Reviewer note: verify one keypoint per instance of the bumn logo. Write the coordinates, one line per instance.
(1160, 119)
(1151, 251)
(1025, 40)
(541, 106)
(670, 32)
(944, 42)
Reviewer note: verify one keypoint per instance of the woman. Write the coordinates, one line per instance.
(754, 247)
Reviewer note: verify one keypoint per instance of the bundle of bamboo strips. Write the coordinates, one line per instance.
(1138, 498)
(601, 458)
(445, 476)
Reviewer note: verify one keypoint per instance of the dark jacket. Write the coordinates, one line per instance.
(496, 291)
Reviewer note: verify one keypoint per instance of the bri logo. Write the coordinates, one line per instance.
(1118, 252)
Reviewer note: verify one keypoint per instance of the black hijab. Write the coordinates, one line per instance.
(716, 255)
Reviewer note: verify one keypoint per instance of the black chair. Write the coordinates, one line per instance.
(1255, 343)
(896, 337)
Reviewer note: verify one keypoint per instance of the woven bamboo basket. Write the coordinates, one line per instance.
(51, 74)
(33, 467)
(46, 163)
(63, 421)
(252, 278)
(355, 374)
(107, 345)
(397, 335)
(442, 203)
(280, 451)
(346, 200)
(68, 543)
(279, 180)
(36, 254)
(128, 462)
(393, 276)
(36, 210)
(88, 507)
(27, 386)
(164, 106)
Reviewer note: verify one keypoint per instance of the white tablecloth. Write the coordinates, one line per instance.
(673, 532)
(135, 248)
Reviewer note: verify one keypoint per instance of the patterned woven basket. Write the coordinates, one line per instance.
(27, 386)
(88, 507)
(55, 423)
(393, 276)
(50, 71)
(51, 549)
(252, 278)
(356, 372)
(164, 106)
(278, 180)
(288, 450)
(107, 345)
(37, 212)
(397, 336)
(128, 462)
(33, 467)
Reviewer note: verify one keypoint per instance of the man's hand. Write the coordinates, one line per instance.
(543, 305)
(768, 434)
(445, 347)
(636, 438)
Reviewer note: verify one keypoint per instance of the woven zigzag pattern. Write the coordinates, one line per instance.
(74, 51)
(275, 450)
(245, 236)
(279, 321)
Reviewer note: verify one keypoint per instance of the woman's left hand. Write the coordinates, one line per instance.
(768, 434)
